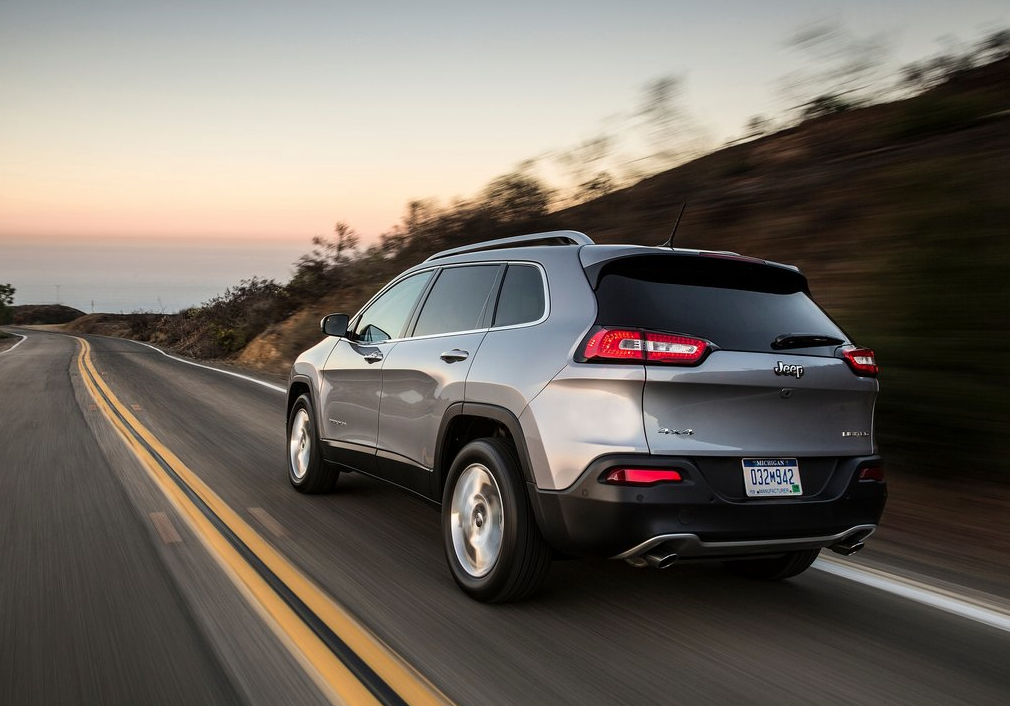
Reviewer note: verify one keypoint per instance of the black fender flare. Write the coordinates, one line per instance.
(487, 411)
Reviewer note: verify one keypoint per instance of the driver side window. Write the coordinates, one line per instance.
(387, 316)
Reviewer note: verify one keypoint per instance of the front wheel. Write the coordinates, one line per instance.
(492, 543)
(774, 568)
(306, 470)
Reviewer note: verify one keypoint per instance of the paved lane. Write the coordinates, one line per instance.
(88, 613)
(599, 633)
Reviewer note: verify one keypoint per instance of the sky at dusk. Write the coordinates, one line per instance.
(272, 120)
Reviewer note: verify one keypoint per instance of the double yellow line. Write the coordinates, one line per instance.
(349, 663)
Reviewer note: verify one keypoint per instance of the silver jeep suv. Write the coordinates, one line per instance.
(562, 398)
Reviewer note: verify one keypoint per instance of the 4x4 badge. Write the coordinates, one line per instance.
(794, 370)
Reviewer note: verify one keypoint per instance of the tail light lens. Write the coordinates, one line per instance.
(615, 345)
(862, 361)
(636, 345)
(642, 476)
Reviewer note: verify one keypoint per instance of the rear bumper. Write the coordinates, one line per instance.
(692, 520)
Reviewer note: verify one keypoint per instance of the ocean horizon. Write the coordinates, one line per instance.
(123, 276)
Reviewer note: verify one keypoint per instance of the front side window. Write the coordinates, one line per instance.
(387, 316)
(457, 300)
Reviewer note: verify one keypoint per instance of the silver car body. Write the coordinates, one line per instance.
(383, 407)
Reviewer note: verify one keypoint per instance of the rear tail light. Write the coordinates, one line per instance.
(632, 344)
(874, 473)
(642, 476)
(861, 360)
(616, 345)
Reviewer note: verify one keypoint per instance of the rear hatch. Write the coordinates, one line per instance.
(740, 364)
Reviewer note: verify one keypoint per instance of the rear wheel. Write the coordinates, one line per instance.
(306, 470)
(492, 543)
(774, 568)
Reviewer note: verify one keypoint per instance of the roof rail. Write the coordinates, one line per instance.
(556, 237)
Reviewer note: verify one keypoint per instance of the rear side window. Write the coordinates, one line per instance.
(457, 300)
(522, 299)
(737, 305)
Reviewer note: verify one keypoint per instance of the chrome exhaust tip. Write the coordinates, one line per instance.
(846, 549)
(660, 560)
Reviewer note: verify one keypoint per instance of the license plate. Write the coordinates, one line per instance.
(771, 477)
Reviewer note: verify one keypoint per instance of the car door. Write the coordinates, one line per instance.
(352, 374)
(425, 373)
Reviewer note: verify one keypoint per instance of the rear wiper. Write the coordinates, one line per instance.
(804, 340)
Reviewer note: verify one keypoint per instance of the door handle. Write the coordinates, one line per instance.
(455, 355)
(373, 357)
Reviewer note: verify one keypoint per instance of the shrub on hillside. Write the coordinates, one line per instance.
(226, 323)
(6, 299)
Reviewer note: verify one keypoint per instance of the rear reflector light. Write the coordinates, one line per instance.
(874, 473)
(642, 476)
(862, 361)
(630, 344)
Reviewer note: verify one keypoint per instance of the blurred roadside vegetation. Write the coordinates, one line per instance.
(897, 211)
(6, 299)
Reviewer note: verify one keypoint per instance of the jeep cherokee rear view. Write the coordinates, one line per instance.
(562, 398)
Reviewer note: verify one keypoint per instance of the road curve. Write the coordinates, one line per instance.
(99, 602)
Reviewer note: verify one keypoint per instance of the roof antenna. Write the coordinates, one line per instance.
(669, 241)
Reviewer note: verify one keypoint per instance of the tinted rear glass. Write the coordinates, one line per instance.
(522, 296)
(457, 300)
(735, 305)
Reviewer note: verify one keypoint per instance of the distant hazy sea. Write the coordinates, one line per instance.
(118, 275)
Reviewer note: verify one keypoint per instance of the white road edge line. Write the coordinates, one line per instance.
(919, 592)
(23, 338)
(264, 383)
(906, 588)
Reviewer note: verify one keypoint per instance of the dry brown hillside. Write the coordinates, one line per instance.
(897, 213)
(842, 196)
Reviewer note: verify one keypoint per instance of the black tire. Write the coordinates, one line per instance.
(774, 568)
(492, 543)
(306, 469)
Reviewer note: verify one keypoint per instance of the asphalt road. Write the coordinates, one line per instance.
(108, 596)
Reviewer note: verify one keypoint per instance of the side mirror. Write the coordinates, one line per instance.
(335, 325)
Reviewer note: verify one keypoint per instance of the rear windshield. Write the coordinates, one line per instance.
(737, 305)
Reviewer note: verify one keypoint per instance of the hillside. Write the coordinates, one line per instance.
(35, 314)
(897, 213)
